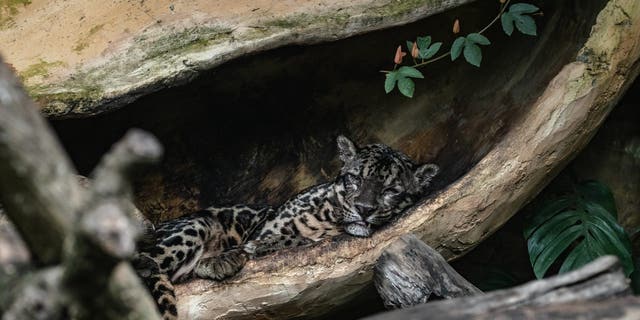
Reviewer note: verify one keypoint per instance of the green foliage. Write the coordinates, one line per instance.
(517, 15)
(469, 45)
(402, 77)
(581, 223)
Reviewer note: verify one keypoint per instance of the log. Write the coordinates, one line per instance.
(408, 272)
(624, 308)
(573, 292)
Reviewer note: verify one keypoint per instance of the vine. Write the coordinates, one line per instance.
(423, 51)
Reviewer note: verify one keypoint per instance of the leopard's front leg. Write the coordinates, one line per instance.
(221, 266)
(274, 242)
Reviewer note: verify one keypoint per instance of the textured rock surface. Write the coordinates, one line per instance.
(94, 56)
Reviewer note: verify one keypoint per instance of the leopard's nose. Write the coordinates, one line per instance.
(364, 210)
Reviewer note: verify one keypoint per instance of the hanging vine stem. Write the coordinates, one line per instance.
(444, 55)
(517, 16)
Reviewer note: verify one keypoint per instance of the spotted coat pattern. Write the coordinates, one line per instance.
(375, 184)
(205, 244)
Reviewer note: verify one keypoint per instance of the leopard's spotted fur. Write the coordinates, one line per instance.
(375, 184)
(202, 243)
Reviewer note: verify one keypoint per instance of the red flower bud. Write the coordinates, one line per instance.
(456, 26)
(414, 50)
(399, 54)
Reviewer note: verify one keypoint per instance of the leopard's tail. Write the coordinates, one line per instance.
(163, 294)
(159, 285)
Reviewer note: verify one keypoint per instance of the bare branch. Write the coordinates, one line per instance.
(38, 183)
(42, 197)
(600, 280)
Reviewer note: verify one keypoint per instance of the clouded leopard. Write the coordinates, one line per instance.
(375, 184)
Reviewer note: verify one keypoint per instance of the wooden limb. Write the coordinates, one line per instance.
(34, 295)
(408, 272)
(105, 234)
(599, 280)
(42, 197)
(620, 308)
(627, 308)
(38, 182)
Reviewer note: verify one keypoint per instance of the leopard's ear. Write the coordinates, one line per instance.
(424, 173)
(346, 149)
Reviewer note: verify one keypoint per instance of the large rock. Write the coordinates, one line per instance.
(82, 58)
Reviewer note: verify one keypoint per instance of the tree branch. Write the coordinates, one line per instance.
(38, 183)
(42, 197)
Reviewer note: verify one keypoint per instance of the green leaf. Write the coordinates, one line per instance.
(507, 23)
(406, 87)
(545, 212)
(554, 249)
(548, 231)
(519, 8)
(472, 53)
(456, 48)
(390, 81)
(479, 39)
(409, 47)
(582, 222)
(431, 51)
(525, 24)
(410, 72)
(600, 194)
(423, 42)
(570, 262)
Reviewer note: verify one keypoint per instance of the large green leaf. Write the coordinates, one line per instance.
(545, 212)
(599, 193)
(581, 223)
(554, 248)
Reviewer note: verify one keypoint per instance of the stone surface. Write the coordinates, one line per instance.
(94, 56)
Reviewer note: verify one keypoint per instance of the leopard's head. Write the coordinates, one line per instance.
(376, 184)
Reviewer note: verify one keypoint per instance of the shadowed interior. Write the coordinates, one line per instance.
(262, 128)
